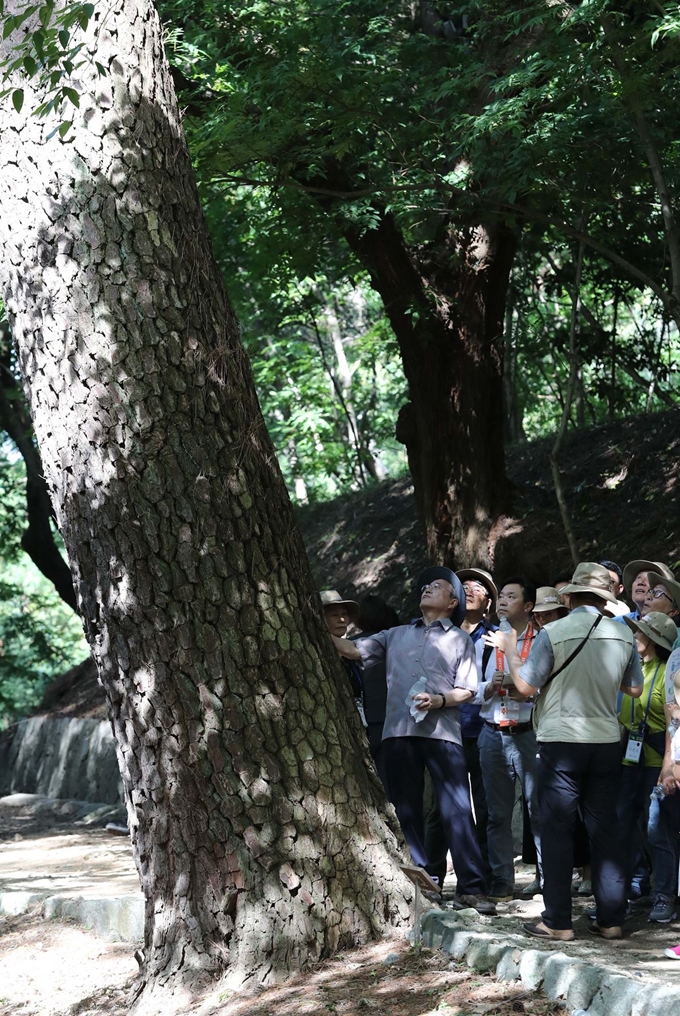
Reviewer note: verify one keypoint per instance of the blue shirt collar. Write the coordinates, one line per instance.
(443, 622)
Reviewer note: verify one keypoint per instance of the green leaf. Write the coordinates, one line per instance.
(30, 66)
(8, 27)
(18, 99)
(71, 94)
(64, 38)
(65, 127)
(88, 10)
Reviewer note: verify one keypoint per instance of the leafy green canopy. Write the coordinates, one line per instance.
(628, 349)
(39, 636)
(304, 117)
(519, 109)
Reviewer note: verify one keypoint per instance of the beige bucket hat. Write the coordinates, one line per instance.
(332, 598)
(658, 627)
(658, 579)
(633, 568)
(547, 598)
(481, 576)
(591, 577)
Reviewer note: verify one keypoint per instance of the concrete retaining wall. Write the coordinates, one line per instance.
(72, 758)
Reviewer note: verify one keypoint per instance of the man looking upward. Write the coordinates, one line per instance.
(423, 730)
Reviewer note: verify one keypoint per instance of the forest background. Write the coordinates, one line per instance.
(549, 134)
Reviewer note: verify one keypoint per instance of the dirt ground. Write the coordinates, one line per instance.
(52, 968)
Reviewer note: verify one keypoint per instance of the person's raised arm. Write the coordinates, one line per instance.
(346, 648)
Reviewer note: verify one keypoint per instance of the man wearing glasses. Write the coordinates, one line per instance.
(422, 727)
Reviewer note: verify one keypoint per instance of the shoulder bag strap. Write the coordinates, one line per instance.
(575, 653)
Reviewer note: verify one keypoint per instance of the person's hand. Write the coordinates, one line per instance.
(493, 686)
(668, 781)
(426, 701)
(503, 640)
(672, 711)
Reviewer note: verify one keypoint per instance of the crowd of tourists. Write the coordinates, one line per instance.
(565, 689)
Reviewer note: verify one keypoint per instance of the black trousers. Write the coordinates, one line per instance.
(587, 774)
(435, 837)
(406, 759)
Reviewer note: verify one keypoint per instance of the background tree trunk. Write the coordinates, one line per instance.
(257, 828)
(447, 313)
(38, 538)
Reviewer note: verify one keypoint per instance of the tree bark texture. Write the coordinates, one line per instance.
(258, 830)
(446, 307)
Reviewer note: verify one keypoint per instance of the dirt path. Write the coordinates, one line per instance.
(52, 968)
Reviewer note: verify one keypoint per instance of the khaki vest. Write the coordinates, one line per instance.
(580, 704)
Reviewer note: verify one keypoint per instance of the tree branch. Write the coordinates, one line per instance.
(38, 537)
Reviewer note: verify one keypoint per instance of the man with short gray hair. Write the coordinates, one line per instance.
(422, 727)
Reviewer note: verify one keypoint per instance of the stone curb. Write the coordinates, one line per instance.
(118, 918)
(580, 984)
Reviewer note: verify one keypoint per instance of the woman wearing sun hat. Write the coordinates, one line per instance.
(644, 720)
(636, 584)
(663, 596)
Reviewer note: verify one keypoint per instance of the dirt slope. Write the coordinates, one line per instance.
(622, 483)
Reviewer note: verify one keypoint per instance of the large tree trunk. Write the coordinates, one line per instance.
(257, 828)
(447, 312)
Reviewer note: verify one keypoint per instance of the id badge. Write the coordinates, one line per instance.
(634, 747)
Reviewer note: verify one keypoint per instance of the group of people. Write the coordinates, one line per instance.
(565, 688)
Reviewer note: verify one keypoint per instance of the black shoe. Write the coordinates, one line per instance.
(500, 892)
(483, 905)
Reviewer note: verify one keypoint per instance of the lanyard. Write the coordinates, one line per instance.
(526, 646)
(649, 700)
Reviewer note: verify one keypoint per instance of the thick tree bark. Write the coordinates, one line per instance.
(257, 828)
(446, 308)
(38, 537)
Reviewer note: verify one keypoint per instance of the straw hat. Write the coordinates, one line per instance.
(592, 578)
(437, 572)
(332, 598)
(633, 569)
(547, 598)
(481, 576)
(673, 587)
(660, 628)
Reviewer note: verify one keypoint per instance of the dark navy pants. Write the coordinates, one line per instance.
(406, 759)
(435, 838)
(570, 774)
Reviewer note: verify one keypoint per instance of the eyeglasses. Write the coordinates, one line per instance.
(656, 594)
(430, 585)
(475, 587)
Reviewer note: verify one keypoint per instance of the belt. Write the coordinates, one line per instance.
(519, 728)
